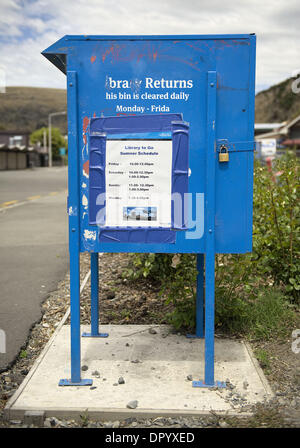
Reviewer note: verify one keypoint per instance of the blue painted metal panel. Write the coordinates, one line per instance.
(97, 59)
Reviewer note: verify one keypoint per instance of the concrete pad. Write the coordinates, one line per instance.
(158, 382)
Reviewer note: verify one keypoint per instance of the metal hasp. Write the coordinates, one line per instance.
(191, 96)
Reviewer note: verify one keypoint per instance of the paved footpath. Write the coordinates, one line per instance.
(33, 248)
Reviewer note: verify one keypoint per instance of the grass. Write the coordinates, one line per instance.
(269, 315)
(23, 354)
(126, 314)
(263, 358)
(263, 417)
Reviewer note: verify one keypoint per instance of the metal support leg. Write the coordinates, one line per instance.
(209, 318)
(200, 297)
(209, 380)
(199, 333)
(75, 325)
(74, 246)
(95, 299)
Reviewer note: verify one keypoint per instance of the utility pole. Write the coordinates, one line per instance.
(44, 140)
(50, 133)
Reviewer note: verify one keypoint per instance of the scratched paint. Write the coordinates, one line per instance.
(85, 124)
(113, 50)
(85, 201)
(89, 239)
(86, 169)
(72, 211)
(90, 234)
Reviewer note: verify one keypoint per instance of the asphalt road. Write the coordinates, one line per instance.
(33, 248)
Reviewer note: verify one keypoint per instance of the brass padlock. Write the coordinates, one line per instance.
(223, 154)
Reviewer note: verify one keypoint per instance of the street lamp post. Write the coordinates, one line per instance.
(50, 132)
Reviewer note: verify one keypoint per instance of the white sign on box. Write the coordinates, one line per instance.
(138, 183)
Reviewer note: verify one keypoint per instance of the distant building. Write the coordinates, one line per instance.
(16, 153)
(13, 150)
(287, 134)
(291, 133)
(14, 139)
(263, 128)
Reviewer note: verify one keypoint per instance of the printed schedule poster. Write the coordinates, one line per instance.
(138, 183)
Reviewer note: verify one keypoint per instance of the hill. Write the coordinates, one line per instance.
(27, 108)
(278, 103)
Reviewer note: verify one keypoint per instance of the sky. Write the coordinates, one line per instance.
(29, 26)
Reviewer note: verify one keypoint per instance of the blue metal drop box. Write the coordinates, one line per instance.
(205, 83)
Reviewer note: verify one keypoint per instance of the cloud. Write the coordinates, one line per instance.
(29, 26)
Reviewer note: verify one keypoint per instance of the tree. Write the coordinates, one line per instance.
(58, 141)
